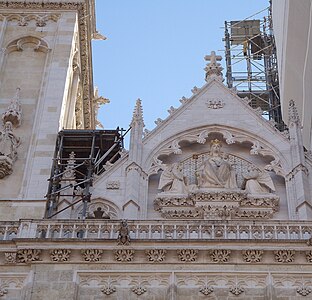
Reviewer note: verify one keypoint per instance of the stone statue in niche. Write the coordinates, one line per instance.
(258, 182)
(216, 171)
(172, 180)
(8, 142)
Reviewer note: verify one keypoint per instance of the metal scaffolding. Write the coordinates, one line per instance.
(251, 64)
(79, 156)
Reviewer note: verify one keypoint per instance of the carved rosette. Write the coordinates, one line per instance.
(284, 256)
(187, 255)
(10, 257)
(124, 255)
(252, 256)
(60, 255)
(92, 255)
(28, 255)
(156, 255)
(220, 255)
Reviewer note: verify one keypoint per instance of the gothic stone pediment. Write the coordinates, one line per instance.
(212, 105)
(215, 185)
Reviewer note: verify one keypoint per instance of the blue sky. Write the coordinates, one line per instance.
(155, 51)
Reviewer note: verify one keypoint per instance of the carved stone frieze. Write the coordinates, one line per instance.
(252, 256)
(28, 255)
(124, 255)
(156, 255)
(10, 257)
(220, 255)
(92, 255)
(217, 205)
(284, 256)
(60, 255)
(24, 19)
(187, 255)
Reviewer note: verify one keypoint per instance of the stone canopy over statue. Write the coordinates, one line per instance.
(208, 187)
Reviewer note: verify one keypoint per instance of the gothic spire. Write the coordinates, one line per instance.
(213, 68)
(137, 118)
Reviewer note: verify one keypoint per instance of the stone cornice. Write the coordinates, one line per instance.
(86, 22)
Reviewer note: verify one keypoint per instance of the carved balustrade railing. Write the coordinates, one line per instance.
(158, 229)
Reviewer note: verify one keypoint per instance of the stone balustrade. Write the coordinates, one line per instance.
(158, 229)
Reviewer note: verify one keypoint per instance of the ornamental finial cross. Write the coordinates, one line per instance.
(213, 58)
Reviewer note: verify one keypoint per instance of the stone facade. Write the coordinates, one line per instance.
(213, 203)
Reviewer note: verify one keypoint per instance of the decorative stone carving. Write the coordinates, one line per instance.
(258, 182)
(137, 117)
(220, 255)
(171, 110)
(215, 104)
(158, 121)
(108, 288)
(213, 68)
(195, 90)
(3, 292)
(92, 255)
(237, 290)
(69, 173)
(60, 255)
(309, 256)
(216, 171)
(8, 142)
(97, 102)
(13, 113)
(217, 205)
(187, 255)
(10, 257)
(28, 255)
(206, 289)
(293, 115)
(113, 185)
(284, 256)
(183, 100)
(124, 255)
(156, 255)
(40, 19)
(123, 234)
(304, 290)
(172, 180)
(252, 256)
(139, 289)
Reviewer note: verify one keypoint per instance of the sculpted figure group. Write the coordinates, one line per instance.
(215, 172)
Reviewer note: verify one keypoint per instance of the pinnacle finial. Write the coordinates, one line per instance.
(137, 117)
(293, 116)
(213, 68)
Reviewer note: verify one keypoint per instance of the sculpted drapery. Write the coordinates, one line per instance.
(216, 171)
